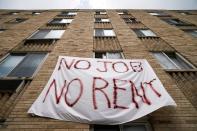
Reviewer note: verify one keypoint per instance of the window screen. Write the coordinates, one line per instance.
(28, 66)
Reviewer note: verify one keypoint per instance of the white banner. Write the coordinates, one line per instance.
(101, 91)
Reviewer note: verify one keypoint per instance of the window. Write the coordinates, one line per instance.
(2, 30)
(61, 21)
(130, 20)
(47, 34)
(36, 13)
(14, 13)
(192, 32)
(123, 13)
(104, 32)
(20, 65)
(101, 20)
(131, 127)
(108, 55)
(9, 85)
(101, 13)
(158, 13)
(172, 61)
(177, 22)
(69, 13)
(17, 20)
(144, 33)
(106, 128)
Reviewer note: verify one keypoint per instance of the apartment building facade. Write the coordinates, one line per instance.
(31, 41)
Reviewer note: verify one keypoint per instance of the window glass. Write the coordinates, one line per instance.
(55, 21)
(105, 20)
(178, 61)
(148, 33)
(66, 21)
(171, 61)
(9, 85)
(103, 13)
(154, 13)
(40, 34)
(106, 128)
(54, 34)
(114, 55)
(164, 61)
(72, 13)
(48, 34)
(192, 32)
(134, 128)
(109, 33)
(98, 32)
(2, 30)
(9, 64)
(28, 66)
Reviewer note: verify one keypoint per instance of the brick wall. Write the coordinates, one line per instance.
(78, 41)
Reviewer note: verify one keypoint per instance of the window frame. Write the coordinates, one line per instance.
(25, 54)
(177, 22)
(100, 13)
(121, 53)
(51, 21)
(103, 30)
(95, 20)
(189, 32)
(139, 33)
(121, 126)
(190, 65)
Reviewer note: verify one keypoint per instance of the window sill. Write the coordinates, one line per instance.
(180, 70)
(110, 37)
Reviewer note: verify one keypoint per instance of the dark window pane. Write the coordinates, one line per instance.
(138, 33)
(9, 85)
(99, 32)
(106, 128)
(99, 55)
(28, 66)
(134, 128)
(9, 64)
(55, 21)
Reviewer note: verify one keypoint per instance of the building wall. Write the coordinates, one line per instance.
(78, 40)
